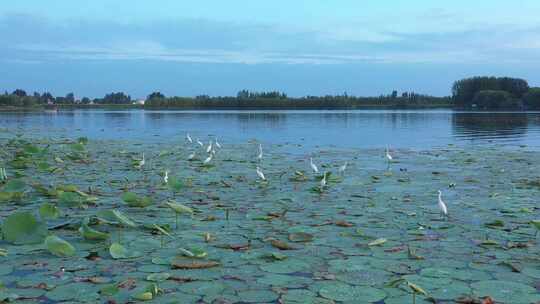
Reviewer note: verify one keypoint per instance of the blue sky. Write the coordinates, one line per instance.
(301, 47)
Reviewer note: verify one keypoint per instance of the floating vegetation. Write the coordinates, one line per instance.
(85, 222)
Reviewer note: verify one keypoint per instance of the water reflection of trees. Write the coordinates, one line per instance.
(490, 125)
(269, 120)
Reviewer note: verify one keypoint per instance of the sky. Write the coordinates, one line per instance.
(300, 47)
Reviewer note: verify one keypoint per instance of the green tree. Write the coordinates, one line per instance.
(532, 99)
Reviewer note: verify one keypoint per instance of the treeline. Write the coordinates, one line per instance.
(247, 99)
(495, 93)
(498, 93)
(19, 98)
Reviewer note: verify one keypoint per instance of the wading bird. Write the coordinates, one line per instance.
(141, 162)
(200, 143)
(260, 155)
(343, 168)
(188, 138)
(209, 148)
(3, 174)
(313, 166)
(388, 156)
(166, 177)
(442, 206)
(208, 159)
(323, 181)
(260, 174)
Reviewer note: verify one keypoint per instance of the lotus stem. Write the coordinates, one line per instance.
(414, 298)
(176, 213)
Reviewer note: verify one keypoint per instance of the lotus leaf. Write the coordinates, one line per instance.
(58, 246)
(49, 211)
(257, 296)
(343, 292)
(300, 237)
(115, 217)
(14, 185)
(118, 251)
(23, 228)
(506, 292)
(89, 233)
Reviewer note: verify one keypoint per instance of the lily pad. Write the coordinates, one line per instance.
(49, 211)
(506, 292)
(23, 228)
(59, 247)
(343, 292)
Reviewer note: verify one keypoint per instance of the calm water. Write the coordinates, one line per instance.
(360, 128)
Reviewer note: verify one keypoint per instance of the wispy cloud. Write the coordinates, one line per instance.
(31, 39)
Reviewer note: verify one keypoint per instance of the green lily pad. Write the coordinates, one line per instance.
(158, 277)
(80, 291)
(257, 296)
(23, 228)
(118, 251)
(285, 266)
(70, 199)
(133, 200)
(179, 208)
(14, 185)
(49, 211)
(300, 237)
(506, 292)
(89, 233)
(59, 247)
(116, 217)
(343, 292)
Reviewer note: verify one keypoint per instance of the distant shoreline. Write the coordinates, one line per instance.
(213, 108)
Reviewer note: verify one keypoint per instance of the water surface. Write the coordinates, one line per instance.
(420, 129)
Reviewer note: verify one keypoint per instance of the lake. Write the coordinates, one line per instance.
(117, 207)
(419, 129)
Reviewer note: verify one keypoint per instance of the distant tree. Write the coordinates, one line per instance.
(492, 99)
(155, 95)
(46, 98)
(532, 99)
(116, 98)
(465, 90)
(85, 100)
(70, 98)
(19, 92)
(394, 94)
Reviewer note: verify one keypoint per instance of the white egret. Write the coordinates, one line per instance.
(217, 144)
(442, 205)
(166, 177)
(141, 162)
(208, 159)
(388, 156)
(3, 174)
(260, 155)
(260, 174)
(192, 156)
(209, 148)
(343, 168)
(323, 181)
(188, 138)
(313, 166)
(200, 143)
